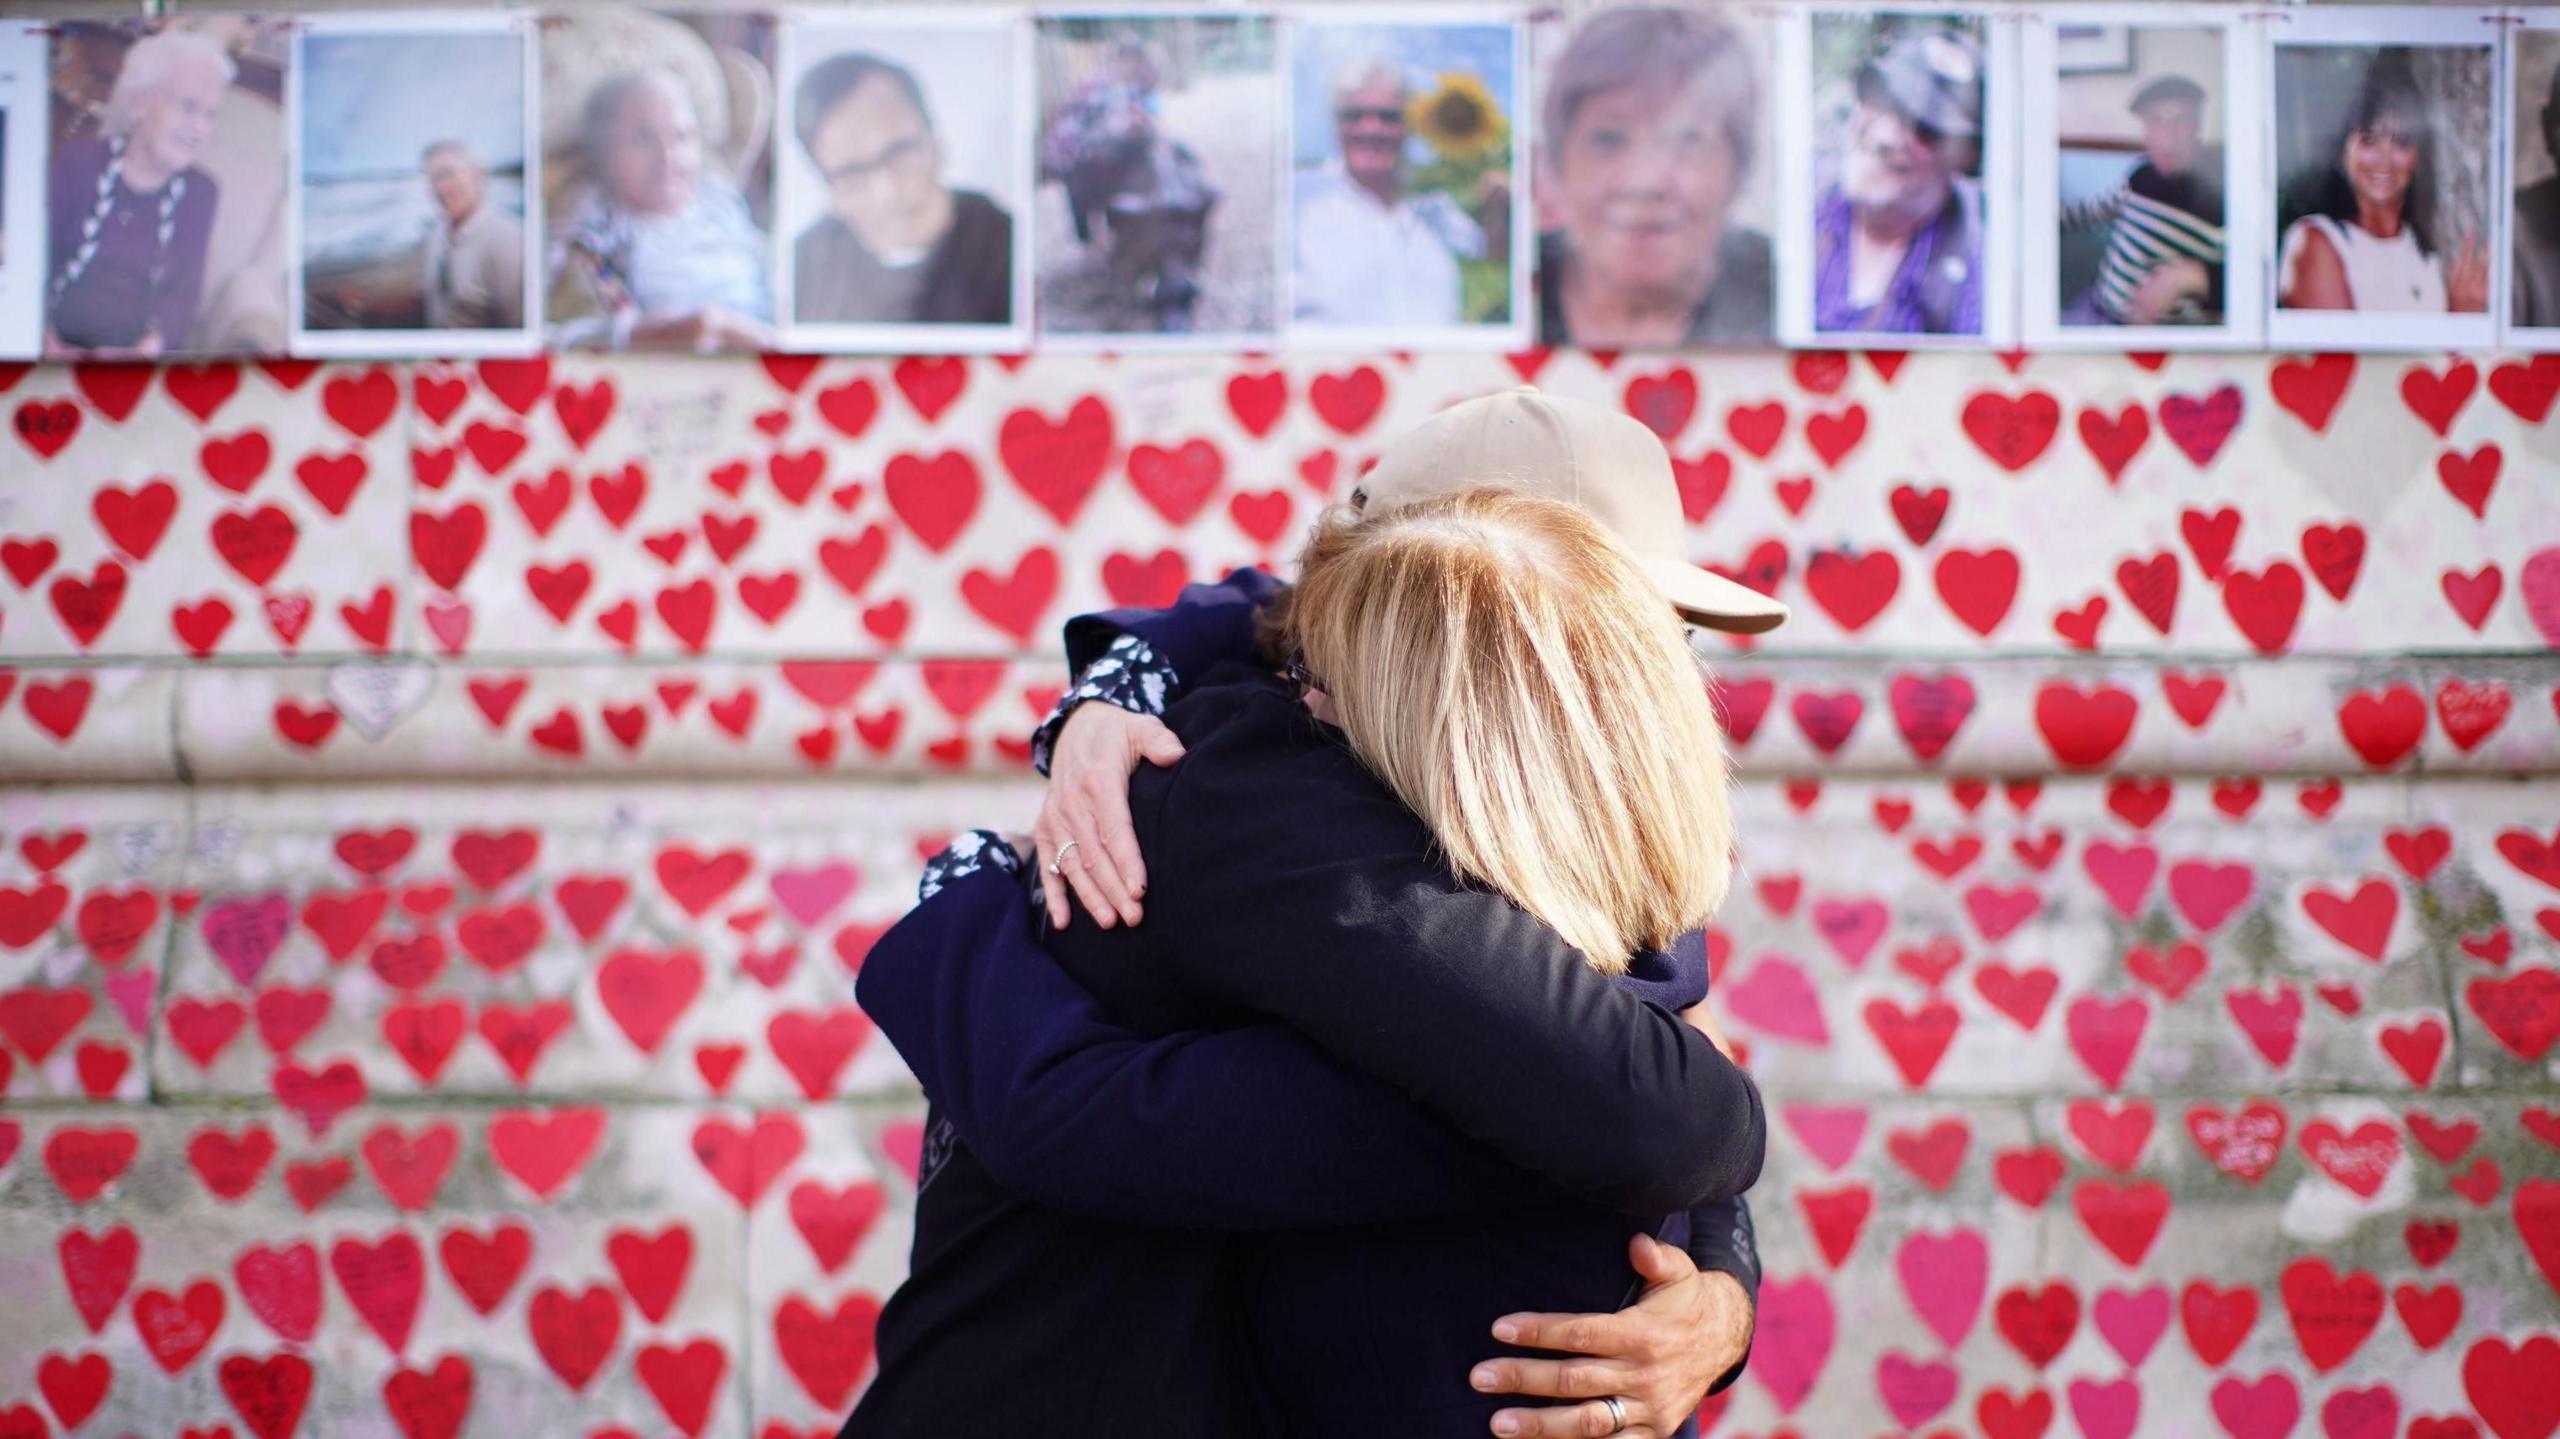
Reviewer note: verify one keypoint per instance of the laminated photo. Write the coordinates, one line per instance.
(1406, 225)
(657, 180)
(22, 188)
(1654, 188)
(904, 178)
(2533, 184)
(2383, 177)
(417, 185)
(165, 188)
(1900, 153)
(1159, 155)
(2136, 233)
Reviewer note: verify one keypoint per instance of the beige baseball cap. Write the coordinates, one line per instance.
(1585, 454)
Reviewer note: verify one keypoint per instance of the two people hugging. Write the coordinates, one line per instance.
(1342, 1067)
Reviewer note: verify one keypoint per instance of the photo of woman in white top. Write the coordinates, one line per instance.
(2369, 235)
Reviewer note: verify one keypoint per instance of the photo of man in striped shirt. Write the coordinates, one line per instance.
(2163, 262)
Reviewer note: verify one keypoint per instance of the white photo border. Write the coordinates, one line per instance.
(1796, 192)
(1118, 342)
(25, 96)
(2384, 331)
(1514, 335)
(1012, 337)
(2246, 226)
(403, 344)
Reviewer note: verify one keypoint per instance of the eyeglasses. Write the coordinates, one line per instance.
(904, 153)
(1298, 672)
(1351, 115)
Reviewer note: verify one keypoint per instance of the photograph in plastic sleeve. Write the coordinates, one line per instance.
(904, 181)
(1159, 154)
(2533, 286)
(2136, 236)
(657, 180)
(2383, 164)
(418, 210)
(1902, 232)
(165, 189)
(22, 187)
(1653, 187)
(1405, 224)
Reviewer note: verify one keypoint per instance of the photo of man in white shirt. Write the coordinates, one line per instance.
(1400, 218)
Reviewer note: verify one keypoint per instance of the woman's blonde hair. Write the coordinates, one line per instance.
(1503, 665)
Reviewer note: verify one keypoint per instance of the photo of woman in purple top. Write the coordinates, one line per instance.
(1898, 229)
(131, 209)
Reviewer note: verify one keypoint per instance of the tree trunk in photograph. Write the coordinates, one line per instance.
(2458, 82)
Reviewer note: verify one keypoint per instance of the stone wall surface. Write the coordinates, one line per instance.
(445, 804)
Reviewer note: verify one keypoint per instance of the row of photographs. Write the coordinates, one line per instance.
(958, 178)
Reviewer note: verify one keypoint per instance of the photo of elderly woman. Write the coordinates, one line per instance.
(900, 180)
(1899, 214)
(2140, 214)
(166, 188)
(1159, 160)
(1402, 203)
(2383, 161)
(1653, 182)
(415, 184)
(657, 179)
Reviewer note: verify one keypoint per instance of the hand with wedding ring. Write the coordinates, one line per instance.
(1639, 1372)
(1084, 834)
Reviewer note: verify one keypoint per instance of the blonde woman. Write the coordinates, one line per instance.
(1398, 1052)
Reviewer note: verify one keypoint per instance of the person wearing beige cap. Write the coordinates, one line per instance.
(1587, 454)
(1409, 1045)
(1690, 1332)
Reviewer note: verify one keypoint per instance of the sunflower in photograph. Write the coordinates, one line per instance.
(1459, 118)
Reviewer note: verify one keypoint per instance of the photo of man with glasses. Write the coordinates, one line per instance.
(897, 243)
(1898, 230)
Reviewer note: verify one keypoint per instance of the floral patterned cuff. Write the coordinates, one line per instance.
(1130, 675)
(966, 855)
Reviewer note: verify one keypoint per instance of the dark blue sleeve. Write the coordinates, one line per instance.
(1204, 625)
(1721, 1238)
(1067, 1109)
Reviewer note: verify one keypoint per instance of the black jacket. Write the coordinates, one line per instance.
(1286, 883)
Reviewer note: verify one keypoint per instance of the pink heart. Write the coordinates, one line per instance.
(1830, 1131)
(2122, 873)
(2133, 1321)
(1997, 911)
(244, 933)
(2105, 1033)
(1915, 1392)
(1778, 1000)
(2362, 1413)
(2541, 590)
(2267, 1409)
(903, 1142)
(131, 992)
(1851, 929)
(2208, 894)
(1791, 1339)
(450, 622)
(808, 894)
(1943, 1277)
(2106, 1411)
